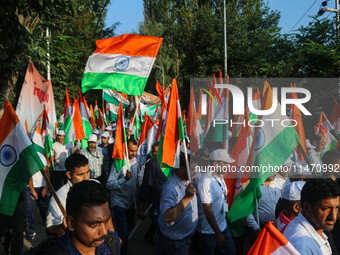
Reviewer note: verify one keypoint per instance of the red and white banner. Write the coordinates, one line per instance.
(36, 93)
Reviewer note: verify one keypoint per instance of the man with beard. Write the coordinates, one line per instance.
(95, 156)
(320, 201)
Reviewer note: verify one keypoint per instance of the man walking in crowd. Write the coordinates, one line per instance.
(178, 213)
(291, 196)
(150, 191)
(320, 201)
(88, 222)
(319, 142)
(109, 130)
(95, 156)
(59, 154)
(36, 192)
(266, 206)
(123, 188)
(77, 171)
(105, 146)
(13, 227)
(214, 234)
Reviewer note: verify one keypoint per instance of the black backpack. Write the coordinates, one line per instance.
(51, 247)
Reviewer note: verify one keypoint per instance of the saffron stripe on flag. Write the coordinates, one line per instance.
(130, 45)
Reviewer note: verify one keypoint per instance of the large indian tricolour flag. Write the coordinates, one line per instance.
(18, 160)
(272, 146)
(122, 63)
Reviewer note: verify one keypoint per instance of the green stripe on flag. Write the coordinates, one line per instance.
(274, 154)
(165, 168)
(181, 129)
(18, 177)
(129, 84)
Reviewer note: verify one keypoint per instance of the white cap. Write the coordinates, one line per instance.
(292, 191)
(229, 134)
(221, 155)
(288, 162)
(92, 138)
(299, 168)
(105, 134)
(309, 145)
(109, 128)
(61, 132)
(96, 131)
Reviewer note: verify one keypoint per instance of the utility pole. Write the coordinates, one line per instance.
(337, 13)
(48, 35)
(225, 40)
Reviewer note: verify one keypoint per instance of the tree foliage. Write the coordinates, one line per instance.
(193, 42)
(74, 26)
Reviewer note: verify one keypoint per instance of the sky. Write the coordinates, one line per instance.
(130, 12)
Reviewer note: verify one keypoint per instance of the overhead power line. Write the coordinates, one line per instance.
(303, 16)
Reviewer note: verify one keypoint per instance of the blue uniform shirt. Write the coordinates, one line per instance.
(172, 192)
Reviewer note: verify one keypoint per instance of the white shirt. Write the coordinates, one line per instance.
(212, 190)
(60, 153)
(302, 235)
(38, 180)
(54, 214)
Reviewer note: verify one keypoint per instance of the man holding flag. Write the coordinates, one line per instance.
(122, 181)
(178, 212)
(18, 162)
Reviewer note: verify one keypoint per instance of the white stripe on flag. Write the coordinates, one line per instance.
(117, 63)
(12, 142)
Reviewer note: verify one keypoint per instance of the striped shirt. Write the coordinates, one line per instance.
(96, 160)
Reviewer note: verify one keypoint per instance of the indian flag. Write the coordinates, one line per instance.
(271, 148)
(218, 132)
(323, 120)
(113, 111)
(73, 125)
(272, 242)
(147, 138)
(240, 154)
(172, 133)
(115, 98)
(122, 63)
(119, 148)
(335, 117)
(18, 160)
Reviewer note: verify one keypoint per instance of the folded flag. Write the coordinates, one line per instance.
(272, 241)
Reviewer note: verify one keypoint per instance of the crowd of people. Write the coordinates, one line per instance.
(95, 207)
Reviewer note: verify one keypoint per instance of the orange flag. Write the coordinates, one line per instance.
(272, 241)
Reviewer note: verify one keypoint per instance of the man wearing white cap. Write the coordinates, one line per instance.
(318, 141)
(320, 201)
(109, 130)
(104, 145)
(214, 234)
(291, 196)
(59, 153)
(95, 157)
